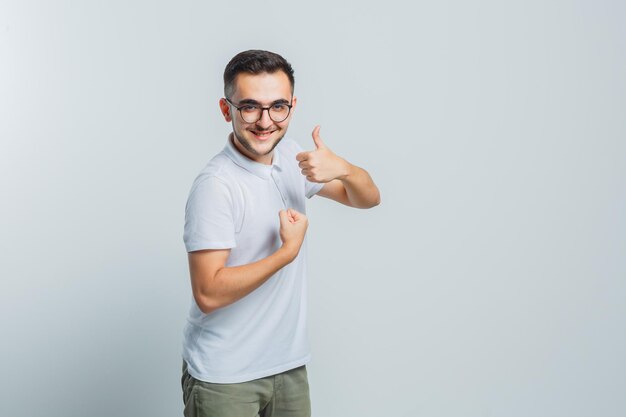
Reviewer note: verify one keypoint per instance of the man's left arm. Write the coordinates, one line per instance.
(343, 182)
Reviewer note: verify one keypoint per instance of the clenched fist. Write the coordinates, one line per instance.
(293, 227)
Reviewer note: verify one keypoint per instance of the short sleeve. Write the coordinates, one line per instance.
(312, 188)
(209, 216)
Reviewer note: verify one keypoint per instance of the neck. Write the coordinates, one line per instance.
(261, 159)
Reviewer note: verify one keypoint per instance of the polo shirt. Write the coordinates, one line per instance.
(234, 203)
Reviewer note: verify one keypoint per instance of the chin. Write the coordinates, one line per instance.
(257, 147)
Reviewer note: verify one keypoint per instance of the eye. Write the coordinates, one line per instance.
(279, 107)
(249, 108)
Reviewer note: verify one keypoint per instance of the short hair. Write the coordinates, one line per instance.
(255, 61)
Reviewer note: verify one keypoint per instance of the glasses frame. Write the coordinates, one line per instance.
(290, 105)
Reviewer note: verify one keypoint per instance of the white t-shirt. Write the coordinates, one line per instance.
(234, 203)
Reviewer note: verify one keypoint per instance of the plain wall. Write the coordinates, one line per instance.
(490, 281)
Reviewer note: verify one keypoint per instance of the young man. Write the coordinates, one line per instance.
(245, 344)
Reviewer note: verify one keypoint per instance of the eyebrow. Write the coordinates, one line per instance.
(251, 101)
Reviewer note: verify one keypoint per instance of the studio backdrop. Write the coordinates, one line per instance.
(490, 281)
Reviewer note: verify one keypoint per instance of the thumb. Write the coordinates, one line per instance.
(293, 214)
(283, 216)
(317, 139)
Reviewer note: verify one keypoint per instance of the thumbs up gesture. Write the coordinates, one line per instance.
(321, 164)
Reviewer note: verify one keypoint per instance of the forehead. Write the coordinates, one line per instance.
(264, 87)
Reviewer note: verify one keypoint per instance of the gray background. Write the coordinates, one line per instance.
(490, 282)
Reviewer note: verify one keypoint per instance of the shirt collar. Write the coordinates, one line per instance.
(256, 168)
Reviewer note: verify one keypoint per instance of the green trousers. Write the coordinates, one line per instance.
(282, 395)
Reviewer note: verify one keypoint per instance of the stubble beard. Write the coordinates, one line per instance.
(246, 144)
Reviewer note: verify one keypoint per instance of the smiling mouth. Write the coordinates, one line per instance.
(262, 134)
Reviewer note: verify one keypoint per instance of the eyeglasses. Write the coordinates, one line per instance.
(252, 113)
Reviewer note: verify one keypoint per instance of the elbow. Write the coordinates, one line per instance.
(206, 303)
(205, 293)
(372, 202)
(376, 201)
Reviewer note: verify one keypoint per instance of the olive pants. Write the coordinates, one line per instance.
(282, 395)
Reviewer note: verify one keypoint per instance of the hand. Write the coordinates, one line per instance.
(293, 227)
(321, 165)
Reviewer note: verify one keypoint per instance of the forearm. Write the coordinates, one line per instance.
(229, 284)
(360, 188)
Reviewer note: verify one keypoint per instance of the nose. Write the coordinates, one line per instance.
(265, 121)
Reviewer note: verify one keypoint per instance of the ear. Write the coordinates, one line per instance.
(294, 100)
(225, 109)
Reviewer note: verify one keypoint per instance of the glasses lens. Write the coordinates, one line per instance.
(279, 112)
(250, 114)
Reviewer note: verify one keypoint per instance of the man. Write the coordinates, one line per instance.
(245, 344)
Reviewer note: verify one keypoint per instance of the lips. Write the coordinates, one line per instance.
(262, 135)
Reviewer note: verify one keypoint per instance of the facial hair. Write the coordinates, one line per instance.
(244, 142)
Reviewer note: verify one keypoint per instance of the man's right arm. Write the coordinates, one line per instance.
(215, 285)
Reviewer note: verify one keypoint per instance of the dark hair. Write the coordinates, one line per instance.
(255, 62)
